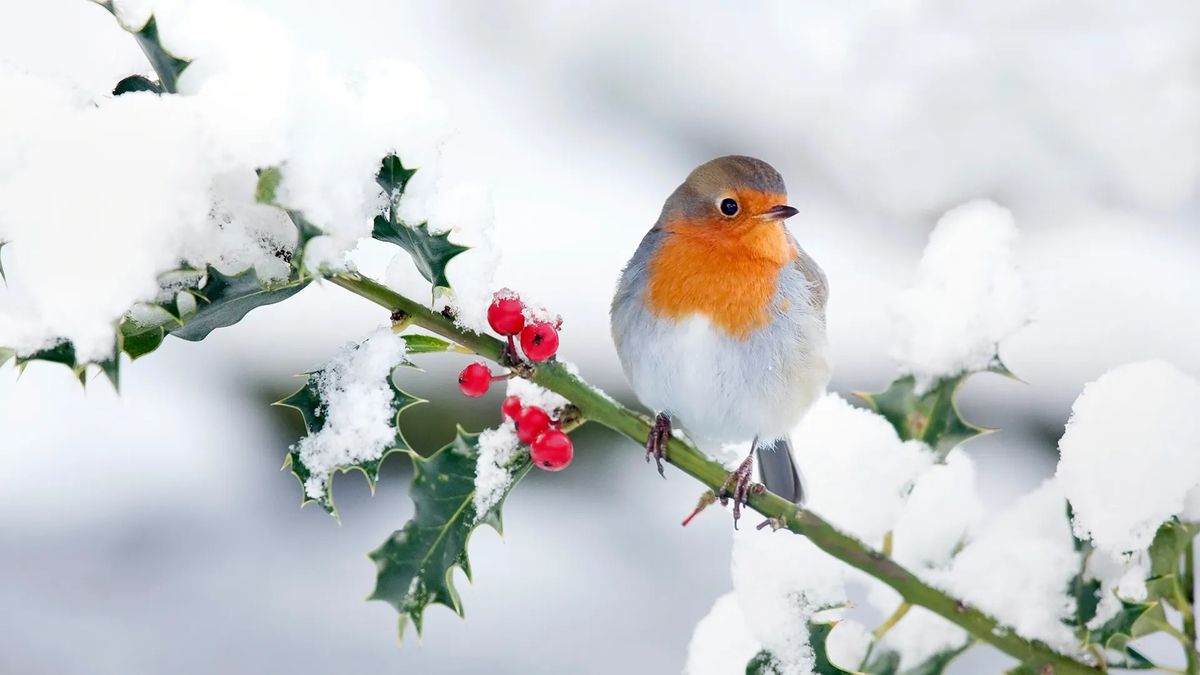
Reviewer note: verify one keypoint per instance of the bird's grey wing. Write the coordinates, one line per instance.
(818, 285)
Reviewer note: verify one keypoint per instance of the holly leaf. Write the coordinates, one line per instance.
(416, 564)
(307, 400)
(1132, 621)
(135, 83)
(430, 252)
(224, 300)
(931, 416)
(762, 663)
(168, 66)
(63, 352)
(1166, 551)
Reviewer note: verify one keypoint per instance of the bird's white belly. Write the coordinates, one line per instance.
(724, 389)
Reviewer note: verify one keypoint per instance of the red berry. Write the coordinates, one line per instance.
(506, 314)
(531, 422)
(539, 341)
(475, 379)
(511, 407)
(552, 450)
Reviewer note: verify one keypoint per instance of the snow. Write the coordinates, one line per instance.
(156, 181)
(781, 581)
(847, 453)
(942, 512)
(1019, 568)
(722, 643)
(1130, 455)
(532, 394)
(967, 296)
(847, 644)
(498, 448)
(358, 409)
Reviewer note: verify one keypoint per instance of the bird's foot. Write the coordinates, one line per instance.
(738, 486)
(656, 442)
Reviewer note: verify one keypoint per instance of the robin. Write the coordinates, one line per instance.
(719, 322)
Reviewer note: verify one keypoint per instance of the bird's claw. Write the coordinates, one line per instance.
(742, 486)
(656, 442)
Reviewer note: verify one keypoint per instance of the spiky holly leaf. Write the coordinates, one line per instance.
(307, 400)
(762, 663)
(224, 300)
(135, 83)
(1085, 591)
(430, 252)
(416, 564)
(168, 67)
(930, 416)
(63, 352)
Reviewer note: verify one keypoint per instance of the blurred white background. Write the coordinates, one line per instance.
(152, 532)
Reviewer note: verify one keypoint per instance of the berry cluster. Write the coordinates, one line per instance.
(549, 447)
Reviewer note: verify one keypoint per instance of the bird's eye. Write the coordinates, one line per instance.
(728, 206)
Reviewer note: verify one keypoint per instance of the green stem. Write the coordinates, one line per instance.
(596, 406)
(1189, 610)
(892, 620)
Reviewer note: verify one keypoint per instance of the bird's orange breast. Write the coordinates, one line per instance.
(727, 276)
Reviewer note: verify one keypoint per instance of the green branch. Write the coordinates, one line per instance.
(596, 406)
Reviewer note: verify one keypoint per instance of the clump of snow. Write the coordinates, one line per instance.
(942, 512)
(968, 295)
(1130, 455)
(358, 408)
(847, 644)
(722, 643)
(540, 314)
(939, 516)
(156, 181)
(1122, 577)
(532, 394)
(1019, 567)
(498, 448)
(858, 470)
(781, 582)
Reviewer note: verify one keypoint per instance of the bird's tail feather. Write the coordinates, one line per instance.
(777, 468)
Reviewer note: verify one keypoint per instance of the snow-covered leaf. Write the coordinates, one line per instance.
(930, 416)
(64, 353)
(313, 407)
(416, 564)
(430, 252)
(1171, 540)
(1134, 620)
(427, 344)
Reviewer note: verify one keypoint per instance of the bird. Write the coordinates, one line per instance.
(719, 323)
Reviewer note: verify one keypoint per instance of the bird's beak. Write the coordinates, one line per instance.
(780, 212)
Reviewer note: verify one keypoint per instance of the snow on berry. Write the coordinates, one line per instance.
(506, 313)
(531, 394)
(552, 451)
(358, 408)
(475, 379)
(511, 407)
(539, 341)
(531, 422)
(968, 295)
(498, 448)
(1131, 453)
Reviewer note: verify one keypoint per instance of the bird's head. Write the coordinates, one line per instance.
(729, 194)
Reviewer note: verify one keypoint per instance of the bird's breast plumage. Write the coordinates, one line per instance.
(729, 278)
(726, 336)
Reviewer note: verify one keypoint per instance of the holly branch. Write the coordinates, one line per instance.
(595, 406)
